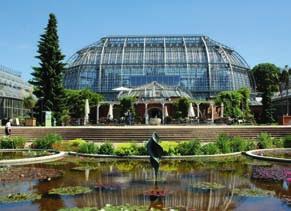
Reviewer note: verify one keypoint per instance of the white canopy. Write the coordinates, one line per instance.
(121, 89)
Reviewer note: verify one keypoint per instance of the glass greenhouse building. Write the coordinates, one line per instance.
(196, 64)
(12, 91)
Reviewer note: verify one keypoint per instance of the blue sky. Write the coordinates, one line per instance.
(260, 30)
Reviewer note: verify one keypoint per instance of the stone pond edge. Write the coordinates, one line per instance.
(268, 158)
(25, 161)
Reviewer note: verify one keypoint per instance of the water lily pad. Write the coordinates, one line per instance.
(253, 192)
(19, 197)
(70, 190)
(84, 168)
(208, 186)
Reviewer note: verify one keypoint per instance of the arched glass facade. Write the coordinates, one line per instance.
(197, 64)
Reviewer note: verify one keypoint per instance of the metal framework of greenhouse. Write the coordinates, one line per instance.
(194, 62)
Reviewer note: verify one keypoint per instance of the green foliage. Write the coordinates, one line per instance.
(12, 142)
(236, 103)
(70, 190)
(141, 150)
(265, 141)
(267, 81)
(169, 147)
(181, 107)
(29, 103)
(278, 142)
(19, 197)
(89, 148)
(227, 144)
(71, 145)
(287, 141)
(75, 101)
(47, 141)
(126, 149)
(126, 104)
(223, 142)
(106, 149)
(47, 79)
(209, 149)
(189, 148)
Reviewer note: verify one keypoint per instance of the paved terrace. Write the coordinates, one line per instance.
(143, 132)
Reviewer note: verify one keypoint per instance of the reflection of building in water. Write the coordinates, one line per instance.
(179, 186)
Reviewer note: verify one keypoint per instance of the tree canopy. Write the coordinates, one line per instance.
(267, 81)
(75, 101)
(236, 103)
(47, 79)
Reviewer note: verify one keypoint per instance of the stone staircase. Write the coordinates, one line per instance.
(142, 133)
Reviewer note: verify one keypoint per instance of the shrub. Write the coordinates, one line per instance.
(106, 149)
(47, 141)
(169, 147)
(238, 144)
(88, 147)
(141, 150)
(287, 141)
(209, 149)
(71, 145)
(265, 141)
(251, 145)
(189, 148)
(279, 142)
(15, 142)
(223, 142)
(126, 149)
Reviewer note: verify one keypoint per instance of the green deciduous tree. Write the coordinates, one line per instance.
(236, 103)
(47, 79)
(75, 101)
(267, 81)
(127, 104)
(181, 107)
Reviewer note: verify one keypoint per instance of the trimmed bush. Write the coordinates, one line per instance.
(141, 150)
(71, 145)
(47, 141)
(12, 142)
(169, 147)
(89, 148)
(265, 141)
(210, 149)
(189, 148)
(106, 149)
(126, 149)
(287, 141)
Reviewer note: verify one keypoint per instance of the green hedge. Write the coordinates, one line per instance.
(47, 141)
(12, 142)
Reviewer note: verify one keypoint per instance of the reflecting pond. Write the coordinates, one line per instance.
(228, 184)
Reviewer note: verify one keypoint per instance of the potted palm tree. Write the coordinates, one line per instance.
(29, 103)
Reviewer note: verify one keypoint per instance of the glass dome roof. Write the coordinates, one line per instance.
(194, 62)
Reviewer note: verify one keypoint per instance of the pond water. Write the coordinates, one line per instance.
(279, 154)
(23, 154)
(182, 185)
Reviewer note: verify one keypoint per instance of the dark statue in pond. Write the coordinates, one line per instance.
(155, 152)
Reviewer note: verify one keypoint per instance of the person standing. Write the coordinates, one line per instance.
(8, 128)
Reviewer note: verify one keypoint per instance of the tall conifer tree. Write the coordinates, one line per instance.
(48, 77)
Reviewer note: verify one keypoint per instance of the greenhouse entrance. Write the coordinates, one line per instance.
(155, 112)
